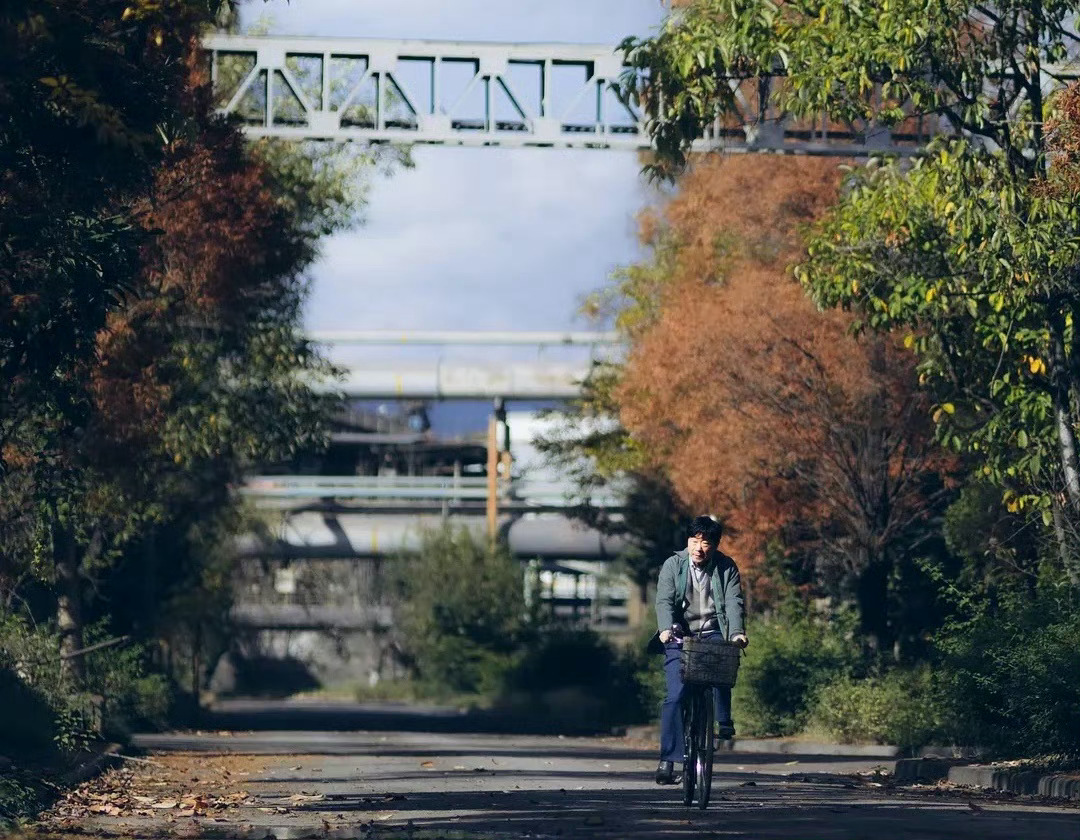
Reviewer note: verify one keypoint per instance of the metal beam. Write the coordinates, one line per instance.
(489, 94)
(399, 488)
(444, 380)
(443, 338)
(311, 535)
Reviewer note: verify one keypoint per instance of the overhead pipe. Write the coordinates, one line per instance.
(311, 535)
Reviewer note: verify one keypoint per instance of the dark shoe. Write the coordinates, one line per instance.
(665, 773)
(724, 732)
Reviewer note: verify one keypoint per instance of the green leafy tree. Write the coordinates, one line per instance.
(462, 612)
(151, 287)
(87, 93)
(969, 249)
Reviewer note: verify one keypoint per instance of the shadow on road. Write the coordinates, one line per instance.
(270, 714)
(818, 812)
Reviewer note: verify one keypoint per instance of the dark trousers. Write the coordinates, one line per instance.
(671, 728)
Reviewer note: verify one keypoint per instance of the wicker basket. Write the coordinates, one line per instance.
(709, 662)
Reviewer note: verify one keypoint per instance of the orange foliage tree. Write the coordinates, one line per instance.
(762, 409)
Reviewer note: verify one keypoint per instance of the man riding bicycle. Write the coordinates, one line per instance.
(699, 593)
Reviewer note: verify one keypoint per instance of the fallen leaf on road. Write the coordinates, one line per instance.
(166, 803)
(427, 763)
(748, 784)
(307, 797)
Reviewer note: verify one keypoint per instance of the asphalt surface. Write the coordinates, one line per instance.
(469, 785)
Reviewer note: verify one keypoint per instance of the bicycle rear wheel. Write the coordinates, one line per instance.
(703, 735)
(689, 748)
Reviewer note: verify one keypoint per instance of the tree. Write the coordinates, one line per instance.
(462, 611)
(193, 368)
(86, 89)
(766, 411)
(83, 86)
(969, 250)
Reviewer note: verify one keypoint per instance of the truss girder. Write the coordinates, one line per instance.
(489, 94)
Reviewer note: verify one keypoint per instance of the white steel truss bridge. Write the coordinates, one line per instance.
(490, 94)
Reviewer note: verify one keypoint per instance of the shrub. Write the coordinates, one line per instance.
(791, 655)
(32, 680)
(1011, 676)
(50, 710)
(130, 697)
(559, 663)
(462, 612)
(648, 675)
(899, 707)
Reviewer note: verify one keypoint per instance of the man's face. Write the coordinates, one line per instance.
(701, 550)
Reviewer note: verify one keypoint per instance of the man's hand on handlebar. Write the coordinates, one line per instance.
(740, 640)
(674, 632)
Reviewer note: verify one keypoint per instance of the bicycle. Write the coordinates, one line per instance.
(706, 663)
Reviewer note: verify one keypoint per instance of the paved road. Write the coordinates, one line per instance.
(442, 785)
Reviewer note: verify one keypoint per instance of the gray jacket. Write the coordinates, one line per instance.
(726, 591)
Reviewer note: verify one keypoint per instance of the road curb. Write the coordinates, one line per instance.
(925, 769)
(1030, 782)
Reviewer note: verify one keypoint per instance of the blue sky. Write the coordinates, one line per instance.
(478, 238)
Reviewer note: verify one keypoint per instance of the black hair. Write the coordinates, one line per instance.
(709, 529)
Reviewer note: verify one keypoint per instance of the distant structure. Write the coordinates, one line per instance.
(314, 581)
(489, 94)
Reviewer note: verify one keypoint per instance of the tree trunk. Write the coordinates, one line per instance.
(872, 598)
(69, 617)
(1070, 468)
(1065, 546)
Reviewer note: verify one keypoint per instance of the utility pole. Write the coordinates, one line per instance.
(493, 461)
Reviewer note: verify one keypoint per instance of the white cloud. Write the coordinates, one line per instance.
(482, 238)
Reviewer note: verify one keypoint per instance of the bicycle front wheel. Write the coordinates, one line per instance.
(703, 752)
(689, 775)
